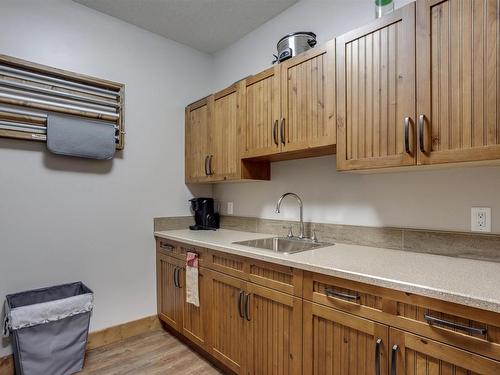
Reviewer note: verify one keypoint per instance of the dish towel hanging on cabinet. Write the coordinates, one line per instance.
(192, 292)
(76, 136)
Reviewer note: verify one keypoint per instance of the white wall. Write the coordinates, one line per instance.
(431, 199)
(65, 219)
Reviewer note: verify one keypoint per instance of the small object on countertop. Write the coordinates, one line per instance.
(192, 291)
(383, 7)
(81, 137)
(205, 215)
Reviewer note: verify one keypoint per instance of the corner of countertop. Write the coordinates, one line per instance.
(171, 223)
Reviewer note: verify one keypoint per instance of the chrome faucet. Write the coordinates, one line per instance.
(278, 205)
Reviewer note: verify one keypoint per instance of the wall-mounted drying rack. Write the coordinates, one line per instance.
(29, 92)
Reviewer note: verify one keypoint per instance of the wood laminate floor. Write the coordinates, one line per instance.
(151, 353)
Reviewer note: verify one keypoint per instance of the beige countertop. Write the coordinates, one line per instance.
(469, 282)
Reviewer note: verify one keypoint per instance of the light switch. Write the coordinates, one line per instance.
(229, 208)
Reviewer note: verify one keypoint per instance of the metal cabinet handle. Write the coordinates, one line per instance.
(394, 356)
(240, 304)
(166, 246)
(179, 278)
(432, 320)
(210, 170)
(275, 132)
(332, 293)
(407, 134)
(378, 344)
(247, 307)
(421, 124)
(175, 277)
(206, 165)
(282, 130)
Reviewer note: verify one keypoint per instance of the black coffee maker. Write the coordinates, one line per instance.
(205, 217)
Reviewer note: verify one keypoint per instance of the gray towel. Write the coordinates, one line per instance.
(76, 136)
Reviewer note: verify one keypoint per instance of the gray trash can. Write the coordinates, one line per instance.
(49, 328)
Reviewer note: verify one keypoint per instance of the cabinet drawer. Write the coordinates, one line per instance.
(227, 263)
(275, 276)
(167, 247)
(285, 279)
(339, 293)
(179, 250)
(472, 329)
(447, 322)
(184, 249)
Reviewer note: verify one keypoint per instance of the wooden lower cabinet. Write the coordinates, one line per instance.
(275, 332)
(253, 329)
(228, 328)
(170, 296)
(268, 328)
(195, 319)
(415, 355)
(338, 343)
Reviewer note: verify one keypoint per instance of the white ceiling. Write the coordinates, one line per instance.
(206, 25)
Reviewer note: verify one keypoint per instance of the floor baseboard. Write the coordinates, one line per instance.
(101, 338)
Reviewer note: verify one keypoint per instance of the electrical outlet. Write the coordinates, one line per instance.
(229, 208)
(480, 219)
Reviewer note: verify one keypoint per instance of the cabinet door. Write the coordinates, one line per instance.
(275, 341)
(416, 355)
(376, 94)
(169, 294)
(458, 80)
(197, 140)
(224, 152)
(228, 329)
(261, 99)
(308, 99)
(196, 320)
(337, 343)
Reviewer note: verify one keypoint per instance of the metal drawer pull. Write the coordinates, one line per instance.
(247, 307)
(407, 134)
(432, 320)
(282, 130)
(394, 356)
(378, 344)
(332, 293)
(275, 132)
(240, 304)
(421, 124)
(166, 246)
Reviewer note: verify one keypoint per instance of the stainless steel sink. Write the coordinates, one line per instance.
(283, 245)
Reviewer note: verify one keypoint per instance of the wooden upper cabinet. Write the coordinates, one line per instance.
(376, 93)
(415, 355)
(308, 99)
(224, 151)
(261, 97)
(197, 140)
(290, 108)
(458, 80)
(213, 140)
